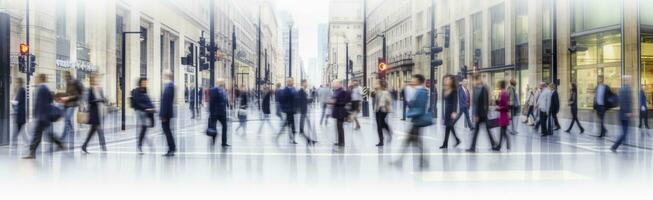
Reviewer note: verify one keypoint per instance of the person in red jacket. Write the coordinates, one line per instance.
(503, 106)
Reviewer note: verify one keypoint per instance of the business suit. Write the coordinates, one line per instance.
(573, 106)
(143, 106)
(42, 110)
(166, 113)
(625, 103)
(21, 114)
(600, 105)
(288, 107)
(218, 112)
(643, 109)
(302, 107)
(450, 107)
(94, 99)
(480, 110)
(339, 112)
(463, 105)
(555, 108)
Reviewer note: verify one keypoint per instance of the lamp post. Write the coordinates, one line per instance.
(290, 50)
(122, 77)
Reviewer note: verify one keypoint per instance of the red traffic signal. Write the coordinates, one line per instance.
(382, 67)
(24, 49)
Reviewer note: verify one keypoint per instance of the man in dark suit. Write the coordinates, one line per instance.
(43, 111)
(218, 111)
(339, 112)
(463, 102)
(287, 99)
(555, 108)
(19, 105)
(480, 110)
(625, 111)
(166, 113)
(192, 93)
(603, 94)
(643, 108)
(302, 104)
(265, 107)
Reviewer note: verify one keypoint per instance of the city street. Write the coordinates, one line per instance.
(257, 159)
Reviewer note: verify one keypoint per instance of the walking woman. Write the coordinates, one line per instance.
(95, 98)
(573, 105)
(144, 109)
(450, 107)
(382, 106)
(504, 117)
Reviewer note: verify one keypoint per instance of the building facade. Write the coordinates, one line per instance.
(345, 40)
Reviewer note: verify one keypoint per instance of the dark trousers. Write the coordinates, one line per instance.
(304, 120)
(95, 128)
(141, 136)
(165, 124)
(415, 140)
(574, 119)
(341, 131)
(41, 126)
(17, 130)
(192, 110)
(622, 137)
(600, 111)
(213, 120)
(554, 119)
(464, 111)
(543, 123)
(477, 127)
(503, 135)
(289, 122)
(449, 129)
(324, 113)
(381, 124)
(643, 118)
(531, 113)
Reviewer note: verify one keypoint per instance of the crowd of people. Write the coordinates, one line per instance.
(343, 103)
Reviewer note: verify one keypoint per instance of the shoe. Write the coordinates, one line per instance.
(443, 147)
(582, 130)
(30, 156)
(496, 148)
(293, 142)
(379, 144)
(339, 145)
(567, 131)
(471, 150)
(613, 149)
(169, 154)
(226, 145)
(84, 149)
(457, 143)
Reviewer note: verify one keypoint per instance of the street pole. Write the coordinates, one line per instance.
(290, 51)
(433, 98)
(195, 63)
(212, 47)
(346, 64)
(233, 62)
(28, 68)
(554, 43)
(366, 109)
(258, 68)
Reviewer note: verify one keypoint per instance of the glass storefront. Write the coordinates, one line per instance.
(601, 58)
(546, 41)
(521, 48)
(646, 50)
(498, 44)
(477, 38)
(593, 14)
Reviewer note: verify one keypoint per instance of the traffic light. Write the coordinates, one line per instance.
(188, 59)
(203, 54)
(436, 61)
(446, 36)
(21, 64)
(24, 49)
(382, 67)
(32, 64)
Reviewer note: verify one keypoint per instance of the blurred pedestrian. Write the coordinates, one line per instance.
(144, 108)
(544, 108)
(382, 106)
(356, 99)
(625, 111)
(573, 107)
(601, 104)
(242, 105)
(218, 102)
(515, 106)
(265, 105)
(19, 105)
(418, 112)
(277, 95)
(643, 107)
(192, 94)
(480, 109)
(555, 107)
(304, 120)
(287, 98)
(95, 98)
(166, 114)
(324, 93)
(463, 104)
(450, 107)
(530, 101)
(71, 100)
(339, 101)
(538, 93)
(504, 108)
(44, 114)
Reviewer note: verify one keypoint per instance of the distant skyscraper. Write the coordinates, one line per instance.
(322, 44)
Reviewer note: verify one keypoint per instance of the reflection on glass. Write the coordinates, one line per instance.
(592, 14)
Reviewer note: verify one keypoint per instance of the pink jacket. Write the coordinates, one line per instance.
(503, 107)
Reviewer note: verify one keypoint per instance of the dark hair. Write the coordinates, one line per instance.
(419, 78)
(140, 80)
(502, 84)
(383, 84)
(573, 87)
(454, 83)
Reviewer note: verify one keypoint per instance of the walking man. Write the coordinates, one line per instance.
(218, 112)
(480, 110)
(166, 114)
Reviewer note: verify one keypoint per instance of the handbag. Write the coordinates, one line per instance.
(492, 123)
(211, 132)
(82, 117)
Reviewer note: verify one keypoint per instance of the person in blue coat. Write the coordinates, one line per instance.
(95, 99)
(21, 113)
(143, 106)
(420, 117)
(166, 113)
(288, 106)
(463, 103)
(218, 111)
(625, 111)
(643, 108)
(43, 114)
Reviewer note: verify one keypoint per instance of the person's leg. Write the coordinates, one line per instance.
(622, 137)
(324, 107)
(90, 134)
(141, 137)
(445, 144)
(502, 134)
(168, 134)
(38, 136)
(489, 133)
(601, 113)
(379, 127)
(472, 147)
(100, 134)
(555, 119)
(341, 132)
(223, 124)
(17, 129)
(68, 134)
(646, 118)
(641, 118)
(302, 120)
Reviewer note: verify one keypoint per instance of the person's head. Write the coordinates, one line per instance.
(417, 80)
(542, 85)
(626, 79)
(290, 82)
(381, 85)
(67, 76)
(354, 83)
(304, 83)
(599, 79)
(167, 75)
(19, 82)
(501, 84)
(552, 86)
(142, 82)
(513, 82)
(464, 82)
(337, 84)
(449, 82)
(220, 83)
(93, 79)
(478, 80)
(41, 78)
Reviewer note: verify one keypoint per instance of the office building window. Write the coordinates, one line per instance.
(498, 42)
(143, 56)
(599, 55)
(646, 50)
(593, 14)
(461, 42)
(477, 38)
(546, 41)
